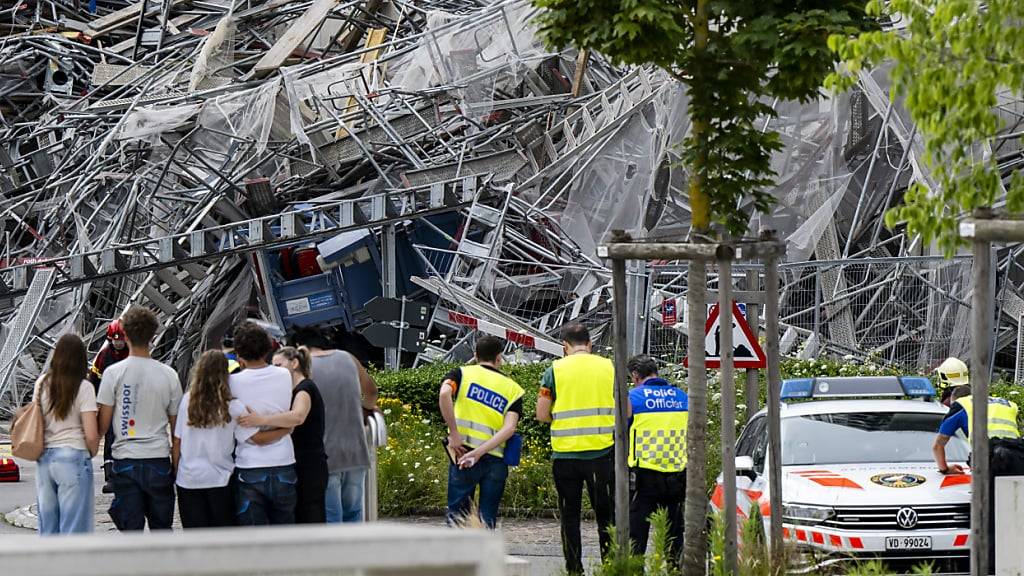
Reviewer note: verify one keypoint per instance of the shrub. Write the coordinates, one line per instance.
(409, 399)
(412, 470)
(418, 387)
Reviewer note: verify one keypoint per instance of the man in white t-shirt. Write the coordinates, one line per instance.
(266, 472)
(139, 397)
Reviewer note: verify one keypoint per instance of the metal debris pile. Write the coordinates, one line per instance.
(290, 160)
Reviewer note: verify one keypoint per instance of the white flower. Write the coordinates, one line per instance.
(716, 397)
(425, 420)
(387, 411)
(436, 481)
(417, 465)
(429, 458)
(741, 406)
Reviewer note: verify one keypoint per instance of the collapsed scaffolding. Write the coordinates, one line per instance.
(195, 158)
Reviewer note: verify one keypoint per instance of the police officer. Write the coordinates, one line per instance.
(1002, 423)
(482, 408)
(577, 397)
(657, 454)
(952, 373)
(113, 351)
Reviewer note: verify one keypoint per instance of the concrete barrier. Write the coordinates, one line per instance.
(1009, 525)
(360, 550)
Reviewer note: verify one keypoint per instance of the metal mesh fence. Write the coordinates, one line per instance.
(909, 312)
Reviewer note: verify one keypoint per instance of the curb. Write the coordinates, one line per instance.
(25, 517)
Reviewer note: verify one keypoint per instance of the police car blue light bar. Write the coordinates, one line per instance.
(857, 387)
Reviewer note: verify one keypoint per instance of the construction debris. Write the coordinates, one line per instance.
(291, 160)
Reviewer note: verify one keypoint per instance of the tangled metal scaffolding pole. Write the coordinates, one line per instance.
(222, 159)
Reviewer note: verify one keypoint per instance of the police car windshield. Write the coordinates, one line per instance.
(864, 437)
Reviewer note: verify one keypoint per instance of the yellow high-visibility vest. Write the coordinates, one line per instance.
(1002, 417)
(483, 399)
(657, 440)
(583, 413)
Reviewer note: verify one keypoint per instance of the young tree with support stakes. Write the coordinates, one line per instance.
(734, 56)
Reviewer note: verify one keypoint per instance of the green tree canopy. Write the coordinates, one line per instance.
(949, 65)
(753, 53)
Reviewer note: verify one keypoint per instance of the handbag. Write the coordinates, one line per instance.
(27, 431)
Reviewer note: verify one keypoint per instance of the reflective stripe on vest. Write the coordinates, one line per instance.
(483, 399)
(583, 413)
(658, 441)
(1002, 417)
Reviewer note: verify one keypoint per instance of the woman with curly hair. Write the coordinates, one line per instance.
(204, 444)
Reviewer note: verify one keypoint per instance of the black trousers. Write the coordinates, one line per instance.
(206, 507)
(598, 475)
(648, 491)
(311, 491)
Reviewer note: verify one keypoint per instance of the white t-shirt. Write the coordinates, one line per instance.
(66, 433)
(266, 390)
(143, 393)
(206, 453)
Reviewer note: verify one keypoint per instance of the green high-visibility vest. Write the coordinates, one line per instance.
(1002, 417)
(583, 413)
(483, 399)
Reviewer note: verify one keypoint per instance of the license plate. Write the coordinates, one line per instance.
(908, 543)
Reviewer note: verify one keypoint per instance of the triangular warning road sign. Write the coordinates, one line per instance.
(747, 353)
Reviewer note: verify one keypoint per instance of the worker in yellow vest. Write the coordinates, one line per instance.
(481, 407)
(657, 454)
(1002, 423)
(577, 398)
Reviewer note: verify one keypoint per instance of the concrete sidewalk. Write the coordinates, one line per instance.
(536, 540)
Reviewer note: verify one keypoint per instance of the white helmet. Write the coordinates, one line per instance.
(953, 372)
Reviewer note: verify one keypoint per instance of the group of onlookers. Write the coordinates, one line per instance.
(279, 438)
(262, 435)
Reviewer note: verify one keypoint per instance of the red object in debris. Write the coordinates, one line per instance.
(287, 268)
(9, 471)
(306, 264)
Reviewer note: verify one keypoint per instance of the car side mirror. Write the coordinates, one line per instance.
(745, 467)
(744, 464)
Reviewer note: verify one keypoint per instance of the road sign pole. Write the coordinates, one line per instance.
(401, 336)
(391, 355)
(752, 393)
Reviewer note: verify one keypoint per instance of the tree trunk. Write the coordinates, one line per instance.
(695, 518)
(696, 543)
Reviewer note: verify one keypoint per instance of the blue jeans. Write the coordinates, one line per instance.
(143, 493)
(266, 495)
(489, 474)
(344, 498)
(64, 491)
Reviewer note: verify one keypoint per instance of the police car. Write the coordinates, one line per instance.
(858, 478)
